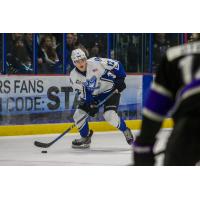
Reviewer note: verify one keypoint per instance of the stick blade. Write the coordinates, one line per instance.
(41, 144)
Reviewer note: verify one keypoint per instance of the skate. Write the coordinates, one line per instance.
(83, 142)
(129, 136)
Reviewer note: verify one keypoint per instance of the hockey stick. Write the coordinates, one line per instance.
(46, 145)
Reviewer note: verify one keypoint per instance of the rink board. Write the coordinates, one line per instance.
(59, 128)
(45, 104)
(39, 100)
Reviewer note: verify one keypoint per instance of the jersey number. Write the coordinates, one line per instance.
(112, 64)
(186, 66)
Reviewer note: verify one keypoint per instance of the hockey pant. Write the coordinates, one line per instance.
(110, 115)
(183, 147)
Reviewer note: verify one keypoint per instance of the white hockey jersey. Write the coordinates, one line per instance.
(98, 79)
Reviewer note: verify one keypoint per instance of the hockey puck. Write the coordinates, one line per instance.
(43, 151)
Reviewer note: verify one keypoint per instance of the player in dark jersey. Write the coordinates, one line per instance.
(176, 88)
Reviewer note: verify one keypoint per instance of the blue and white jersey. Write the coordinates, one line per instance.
(98, 81)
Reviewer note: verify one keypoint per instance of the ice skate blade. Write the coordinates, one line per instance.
(84, 146)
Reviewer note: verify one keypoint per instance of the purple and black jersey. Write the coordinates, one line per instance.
(176, 88)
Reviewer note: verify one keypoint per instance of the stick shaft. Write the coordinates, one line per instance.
(46, 145)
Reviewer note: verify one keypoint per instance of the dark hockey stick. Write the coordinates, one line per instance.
(46, 145)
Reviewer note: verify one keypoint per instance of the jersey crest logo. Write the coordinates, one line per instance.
(90, 84)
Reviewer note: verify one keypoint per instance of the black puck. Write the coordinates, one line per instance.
(44, 152)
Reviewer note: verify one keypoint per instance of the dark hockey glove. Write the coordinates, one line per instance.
(143, 155)
(91, 109)
(120, 85)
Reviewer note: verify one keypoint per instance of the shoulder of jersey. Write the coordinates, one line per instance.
(176, 52)
(72, 73)
(94, 60)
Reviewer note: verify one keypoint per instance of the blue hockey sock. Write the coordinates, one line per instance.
(84, 130)
(122, 126)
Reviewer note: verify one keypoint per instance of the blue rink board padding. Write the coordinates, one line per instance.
(147, 79)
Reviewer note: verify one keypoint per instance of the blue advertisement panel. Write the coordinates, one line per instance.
(34, 94)
(49, 99)
(131, 98)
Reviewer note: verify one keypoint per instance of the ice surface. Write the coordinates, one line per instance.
(106, 149)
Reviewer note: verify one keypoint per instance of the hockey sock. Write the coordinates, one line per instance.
(122, 126)
(84, 130)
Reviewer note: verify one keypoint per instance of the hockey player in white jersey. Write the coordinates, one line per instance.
(94, 79)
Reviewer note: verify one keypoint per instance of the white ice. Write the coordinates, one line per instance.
(109, 148)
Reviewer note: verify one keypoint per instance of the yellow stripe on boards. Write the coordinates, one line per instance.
(59, 128)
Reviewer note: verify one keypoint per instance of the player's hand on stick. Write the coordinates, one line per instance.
(143, 154)
(92, 109)
(120, 84)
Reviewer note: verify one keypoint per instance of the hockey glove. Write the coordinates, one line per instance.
(143, 154)
(91, 109)
(120, 85)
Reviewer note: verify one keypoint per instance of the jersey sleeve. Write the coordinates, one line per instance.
(81, 89)
(115, 66)
(76, 85)
(159, 101)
